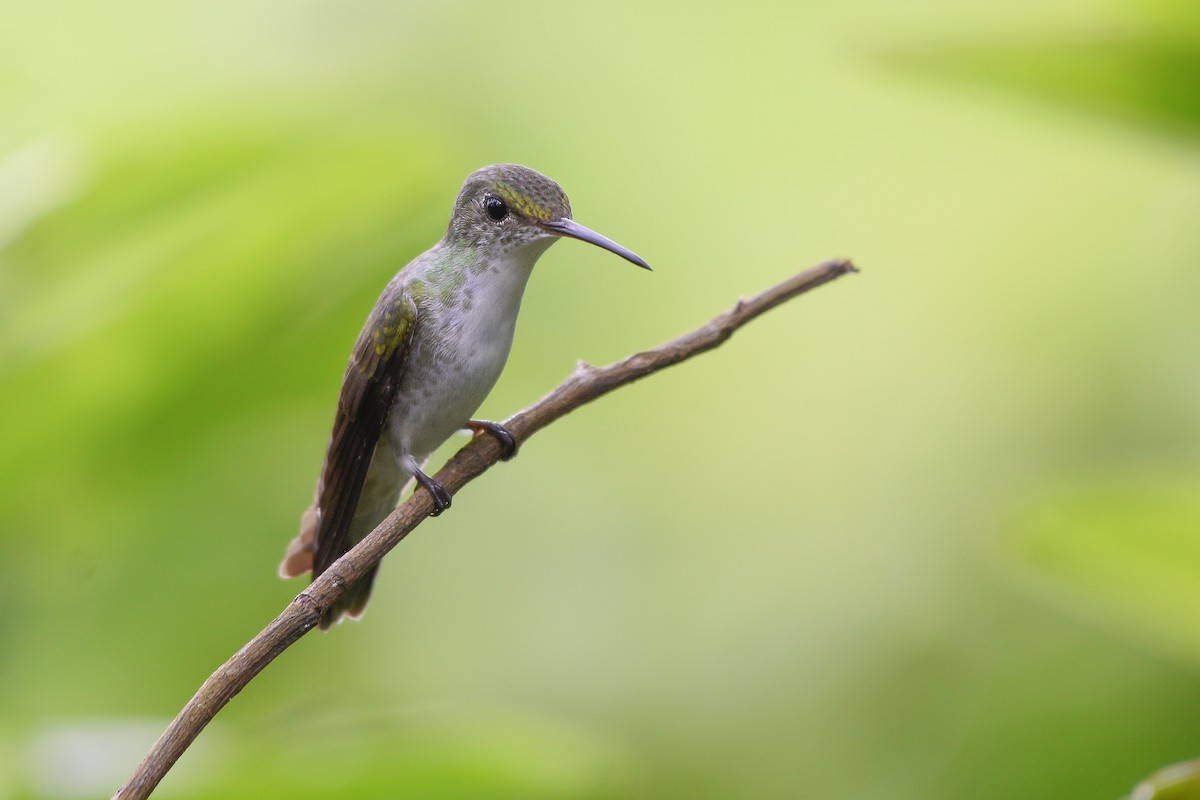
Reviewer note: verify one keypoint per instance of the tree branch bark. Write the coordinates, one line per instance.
(584, 385)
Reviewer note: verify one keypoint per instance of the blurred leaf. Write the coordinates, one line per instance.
(1129, 553)
(1176, 782)
(1174, 18)
(1145, 81)
(428, 753)
(179, 295)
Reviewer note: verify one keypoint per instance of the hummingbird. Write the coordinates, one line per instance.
(430, 352)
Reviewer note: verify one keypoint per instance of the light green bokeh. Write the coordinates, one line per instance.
(896, 539)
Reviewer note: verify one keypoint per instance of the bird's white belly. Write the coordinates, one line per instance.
(459, 350)
(452, 380)
(451, 393)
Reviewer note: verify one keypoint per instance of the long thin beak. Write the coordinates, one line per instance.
(569, 227)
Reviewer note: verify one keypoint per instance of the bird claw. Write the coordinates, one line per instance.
(508, 442)
(441, 497)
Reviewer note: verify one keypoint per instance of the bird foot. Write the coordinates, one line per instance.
(508, 442)
(441, 497)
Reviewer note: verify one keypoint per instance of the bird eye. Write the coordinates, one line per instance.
(496, 208)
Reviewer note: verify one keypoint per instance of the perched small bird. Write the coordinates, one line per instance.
(431, 350)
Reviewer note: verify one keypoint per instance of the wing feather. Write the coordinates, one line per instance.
(368, 390)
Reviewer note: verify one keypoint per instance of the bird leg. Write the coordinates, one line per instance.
(508, 442)
(441, 497)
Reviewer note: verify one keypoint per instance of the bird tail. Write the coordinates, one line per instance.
(378, 498)
(299, 561)
(353, 601)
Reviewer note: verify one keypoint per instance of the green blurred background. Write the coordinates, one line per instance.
(930, 532)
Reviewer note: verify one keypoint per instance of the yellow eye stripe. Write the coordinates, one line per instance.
(523, 204)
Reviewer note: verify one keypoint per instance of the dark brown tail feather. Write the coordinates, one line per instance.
(352, 602)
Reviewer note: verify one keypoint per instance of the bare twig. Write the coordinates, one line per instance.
(584, 385)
